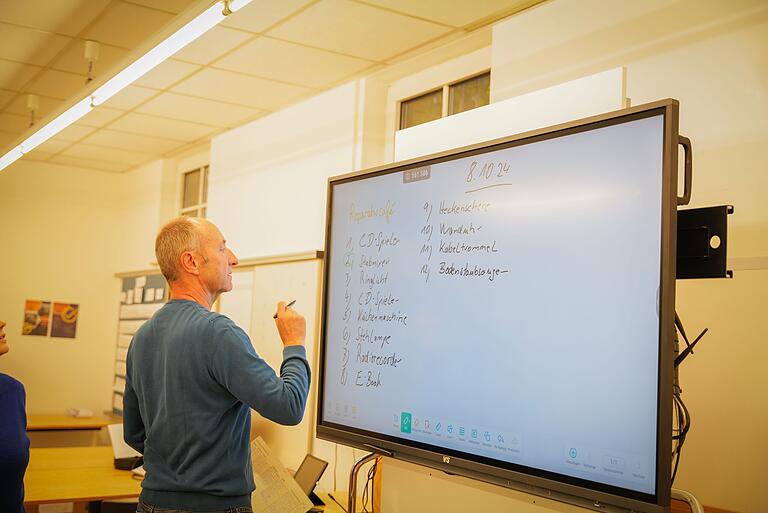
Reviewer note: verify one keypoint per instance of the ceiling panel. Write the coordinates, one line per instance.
(130, 97)
(112, 166)
(57, 84)
(167, 73)
(74, 133)
(13, 122)
(30, 45)
(91, 152)
(260, 15)
(271, 58)
(47, 105)
(127, 25)
(67, 17)
(173, 6)
(161, 127)
(232, 87)
(5, 96)
(13, 75)
(7, 138)
(100, 116)
(198, 110)
(53, 146)
(369, 33)
(37, 155)
(212, 45)
(73, 59)
(456, 13)
(132, 142)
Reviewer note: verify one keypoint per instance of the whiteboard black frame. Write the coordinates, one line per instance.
(576, 491)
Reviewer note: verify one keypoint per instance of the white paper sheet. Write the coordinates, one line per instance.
(119, 448)
(276, 490)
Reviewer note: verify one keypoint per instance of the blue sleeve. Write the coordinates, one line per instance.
(133, 427)
(14, 444)
(251, 380)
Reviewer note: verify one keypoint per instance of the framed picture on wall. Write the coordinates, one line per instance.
(64, 322)
(36, 316)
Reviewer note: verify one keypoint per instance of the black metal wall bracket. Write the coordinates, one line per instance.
(702, 242)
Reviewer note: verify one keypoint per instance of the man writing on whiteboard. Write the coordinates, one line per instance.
(192, 377)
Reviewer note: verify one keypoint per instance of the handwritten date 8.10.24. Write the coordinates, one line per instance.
(487, 171)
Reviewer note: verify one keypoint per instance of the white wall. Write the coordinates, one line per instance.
(65, 232)
(268, 178)
(138, 217)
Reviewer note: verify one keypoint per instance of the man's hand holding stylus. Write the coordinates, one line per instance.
(291, 325)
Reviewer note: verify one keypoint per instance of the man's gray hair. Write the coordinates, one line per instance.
(177, 236)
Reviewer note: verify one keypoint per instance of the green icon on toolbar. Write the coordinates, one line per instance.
(405, 422)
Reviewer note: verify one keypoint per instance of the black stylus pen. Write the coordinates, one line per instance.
(289, 304)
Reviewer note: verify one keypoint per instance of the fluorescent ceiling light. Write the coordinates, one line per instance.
(10, 157)
(58, 124)
(178, 40)
(172, 44)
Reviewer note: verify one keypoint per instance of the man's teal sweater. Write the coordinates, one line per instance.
(192, 377)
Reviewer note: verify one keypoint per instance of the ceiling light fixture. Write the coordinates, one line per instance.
(195, 28)
(91, 56)
(33, 103)
(58, 124)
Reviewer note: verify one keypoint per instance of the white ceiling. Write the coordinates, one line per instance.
(268, 55)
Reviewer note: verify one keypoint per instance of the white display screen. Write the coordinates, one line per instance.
(504, 305)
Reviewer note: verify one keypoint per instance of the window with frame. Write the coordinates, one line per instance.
(194, 199)
(450, 99)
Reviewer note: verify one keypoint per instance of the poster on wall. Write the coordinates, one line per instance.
(64, 320)
(36, 316)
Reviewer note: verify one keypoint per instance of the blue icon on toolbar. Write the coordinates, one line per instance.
(405, 422)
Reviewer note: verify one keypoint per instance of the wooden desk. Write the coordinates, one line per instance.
(65, 423)
(76, 474)
(82, 474)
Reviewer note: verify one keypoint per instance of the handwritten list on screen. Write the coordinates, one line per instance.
(483, 304)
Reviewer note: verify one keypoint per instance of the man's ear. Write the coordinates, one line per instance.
(189, 263)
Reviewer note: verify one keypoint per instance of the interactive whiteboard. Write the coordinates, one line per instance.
(499, 309)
